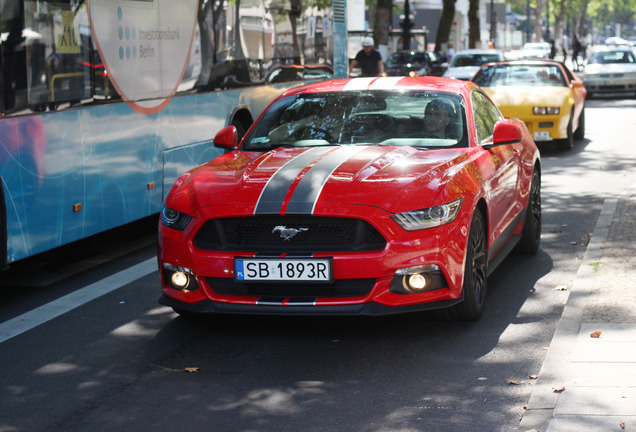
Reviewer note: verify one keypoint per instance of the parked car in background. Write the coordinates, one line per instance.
(466, 62)
(414, 63)
(539, 50)
(610, 71)
(616, 41)
(368, 196)
(545, 94)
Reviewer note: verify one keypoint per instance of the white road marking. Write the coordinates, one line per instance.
(49, 311)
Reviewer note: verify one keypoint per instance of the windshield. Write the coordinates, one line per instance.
(463, 60)
(417, 119)
(519, 75)
(403, 58)
(606, 57)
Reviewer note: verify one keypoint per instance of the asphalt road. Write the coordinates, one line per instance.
(113, 359)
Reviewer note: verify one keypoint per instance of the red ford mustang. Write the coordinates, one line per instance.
(366, 196)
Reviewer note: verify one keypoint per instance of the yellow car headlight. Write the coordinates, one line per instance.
(546, 110)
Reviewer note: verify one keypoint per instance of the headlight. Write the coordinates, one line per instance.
(175, 219)
(546, 110)
(429, 217)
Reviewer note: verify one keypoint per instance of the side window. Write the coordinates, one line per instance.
(485, 115)
(49, 61)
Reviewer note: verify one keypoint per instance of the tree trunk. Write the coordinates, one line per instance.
(445, 23)
(382, 22)
(474, 36)
(538, 32)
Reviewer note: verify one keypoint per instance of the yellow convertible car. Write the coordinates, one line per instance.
(545, 94)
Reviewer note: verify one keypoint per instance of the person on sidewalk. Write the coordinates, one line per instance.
(576, 50)
(552, 49)
(369, 60)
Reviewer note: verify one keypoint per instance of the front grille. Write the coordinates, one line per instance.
(339, 288)
(612, 87)
(315, 234)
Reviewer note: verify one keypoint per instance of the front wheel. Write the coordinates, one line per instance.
(579, 134)
(568, 142)
(475, 275)
(531, 234)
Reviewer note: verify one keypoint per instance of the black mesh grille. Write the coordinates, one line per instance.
(340, 288)
(314, 234)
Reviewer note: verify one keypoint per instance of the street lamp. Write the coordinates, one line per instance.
(406, 25)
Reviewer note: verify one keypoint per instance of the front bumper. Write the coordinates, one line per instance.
(611, 85)
(362, 280)
(370, 309)
(547, 127)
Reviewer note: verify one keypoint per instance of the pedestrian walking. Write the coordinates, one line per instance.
(552, 49)
(576, 50)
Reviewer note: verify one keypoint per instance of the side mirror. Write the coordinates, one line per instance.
(505, 133)
(226, 138)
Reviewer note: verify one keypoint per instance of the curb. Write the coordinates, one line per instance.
(540, 409)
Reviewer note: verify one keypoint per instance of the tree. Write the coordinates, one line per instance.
(538, 32)
(445, 24)
(474, 32)
(382, 21)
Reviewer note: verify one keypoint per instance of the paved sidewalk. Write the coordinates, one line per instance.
(589, 383)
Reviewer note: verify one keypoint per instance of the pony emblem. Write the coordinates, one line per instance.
(288, 233)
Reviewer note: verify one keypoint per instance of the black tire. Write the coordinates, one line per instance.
(568, 142)
(475, 275)
(531, 234)
(579, 134)
(241, 129)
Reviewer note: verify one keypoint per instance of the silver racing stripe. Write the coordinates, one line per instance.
(306, 194)
(273, 194)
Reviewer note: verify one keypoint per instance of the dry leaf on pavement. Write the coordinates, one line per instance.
(596, 334)
(558, 389)
(515, 382)
(188, 369)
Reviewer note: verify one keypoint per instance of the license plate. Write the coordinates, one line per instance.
(247, 269)
(542, 136)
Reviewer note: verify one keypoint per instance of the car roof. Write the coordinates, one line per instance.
(529, 62)
(610, 48)
(479, 51)
(431, 83)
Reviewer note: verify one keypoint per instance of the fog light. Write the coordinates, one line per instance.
(179, 279)
(415, 282)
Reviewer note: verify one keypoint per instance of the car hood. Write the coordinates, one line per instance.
(311, 180)
(533, 53)
(463, 73)
(526, 96)
(609, 68)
